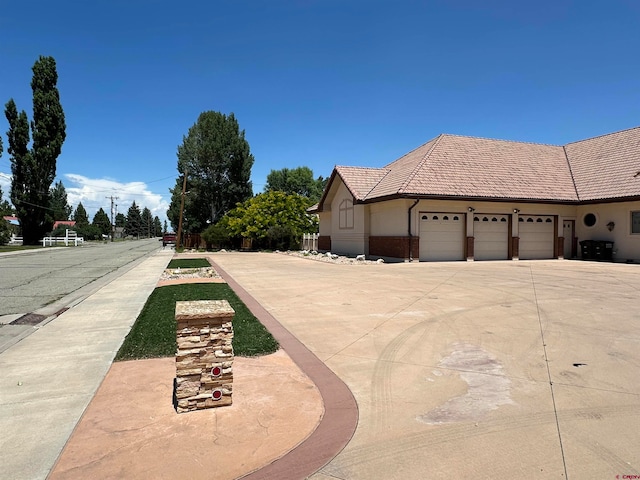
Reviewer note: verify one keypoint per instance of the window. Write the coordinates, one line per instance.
(635, 222)
(589, 220)
(346, 213)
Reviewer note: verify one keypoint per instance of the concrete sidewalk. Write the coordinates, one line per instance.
(48, 378)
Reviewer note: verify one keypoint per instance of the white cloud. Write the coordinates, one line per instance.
(95, 193)
(5, 184)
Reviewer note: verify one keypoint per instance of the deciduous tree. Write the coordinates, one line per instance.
(297, 180)
(34, 169)
(217, 160)
(274, 219)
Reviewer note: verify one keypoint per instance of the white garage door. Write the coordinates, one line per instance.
(536, 237)
(442, 236)
(491, 237)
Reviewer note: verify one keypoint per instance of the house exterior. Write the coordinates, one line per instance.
(466, 198)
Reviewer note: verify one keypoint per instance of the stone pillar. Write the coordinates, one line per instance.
(204, 358)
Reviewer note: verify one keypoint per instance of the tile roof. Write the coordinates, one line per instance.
(457, 166)
(608, 166)
(360, 180)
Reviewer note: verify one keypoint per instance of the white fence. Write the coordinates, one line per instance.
(70, 237)
(15, 240)
(310, 241)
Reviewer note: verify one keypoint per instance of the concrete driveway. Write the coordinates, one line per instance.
(483, 370)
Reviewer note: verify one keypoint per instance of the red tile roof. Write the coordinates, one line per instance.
(453, 166)
(608, 166)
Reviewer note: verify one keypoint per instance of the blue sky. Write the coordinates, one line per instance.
(313, 82)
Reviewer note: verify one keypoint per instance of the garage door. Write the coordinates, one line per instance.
(536, 237)
(491, 237)
(442, 236)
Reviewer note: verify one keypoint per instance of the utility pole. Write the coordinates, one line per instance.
(113, 225)
(184, 188)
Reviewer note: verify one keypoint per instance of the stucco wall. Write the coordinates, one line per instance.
(351, 239)
(389, 219)
(626, 245)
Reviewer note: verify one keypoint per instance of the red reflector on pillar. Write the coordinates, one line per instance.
(216, 371)
(216, 394)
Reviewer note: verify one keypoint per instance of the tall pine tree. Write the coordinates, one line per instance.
(34, 169)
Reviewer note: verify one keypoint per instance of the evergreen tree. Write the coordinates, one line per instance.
(101, 222)
(133, 222)
(165, 227)
(80, 216)
(59, 208)
(157, 227)
(146, 225)
(217, 160)
(35, 169)
(121, 220)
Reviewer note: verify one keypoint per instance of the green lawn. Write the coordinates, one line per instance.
(154, 332)
(189, 263)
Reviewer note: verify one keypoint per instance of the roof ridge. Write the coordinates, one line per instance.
(378, 182)
(411, 151)
(351, 188)
(573, 178)
(420, 163)
(500, 140)
(604, 135)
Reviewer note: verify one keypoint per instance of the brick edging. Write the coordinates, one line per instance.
(340, 418)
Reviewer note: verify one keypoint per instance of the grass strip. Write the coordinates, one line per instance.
(154, 332)
(189, 263)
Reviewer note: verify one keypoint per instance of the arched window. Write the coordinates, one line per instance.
(346, 213)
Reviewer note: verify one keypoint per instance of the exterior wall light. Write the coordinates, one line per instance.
(516, 210)
(471, 209)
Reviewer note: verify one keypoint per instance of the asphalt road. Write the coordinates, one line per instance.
(45, 281)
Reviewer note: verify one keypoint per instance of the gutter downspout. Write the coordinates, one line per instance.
(409, 226)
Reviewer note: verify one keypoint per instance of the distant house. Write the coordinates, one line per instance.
(467, 198)
(67, 223)
(12, 220)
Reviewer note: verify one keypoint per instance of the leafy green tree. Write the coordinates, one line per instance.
(217, 160)
(133, 225)
(34, 169)
(5, 207)
(297, 180)
(101, 222)
(165, 227)
(59, 208)
(273, 219)
(121, 220)
(157, 227)
(80, 215)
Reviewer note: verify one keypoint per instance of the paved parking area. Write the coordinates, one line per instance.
(479, 370)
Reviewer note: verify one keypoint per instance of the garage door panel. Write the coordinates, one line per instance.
(441, 236)
(491, 237)
(536, 237)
